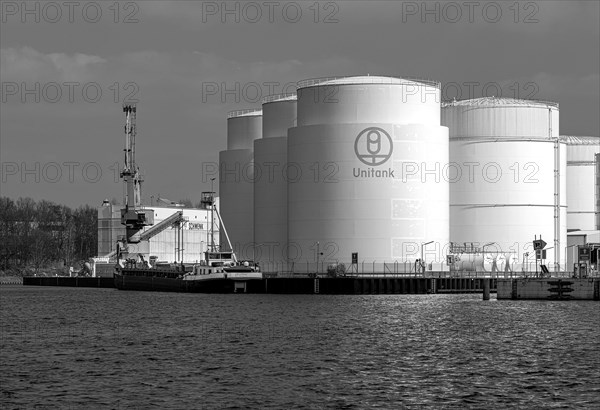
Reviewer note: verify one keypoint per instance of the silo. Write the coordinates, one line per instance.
(507, 175)
(581, 170)
(364, 173)
(236, 180)
(598, 192)
(243, 127)
(270, 186)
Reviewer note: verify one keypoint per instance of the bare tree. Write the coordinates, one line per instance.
(38, 234)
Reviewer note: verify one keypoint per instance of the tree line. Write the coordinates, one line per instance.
(38, 235)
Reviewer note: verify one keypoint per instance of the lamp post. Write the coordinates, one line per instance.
(525, 264)
(423, 245)
(487, 244)
(318, 256)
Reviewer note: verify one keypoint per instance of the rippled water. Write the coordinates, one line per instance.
(103, 348)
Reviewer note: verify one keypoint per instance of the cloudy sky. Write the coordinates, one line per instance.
(67, 68)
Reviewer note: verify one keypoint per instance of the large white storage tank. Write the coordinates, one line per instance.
(236, 180)
(598, 192)
(243, 127)
(357, 172)
(581, 181)
(507, 175)
(270, 185)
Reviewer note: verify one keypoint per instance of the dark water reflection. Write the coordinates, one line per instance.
(102, 348)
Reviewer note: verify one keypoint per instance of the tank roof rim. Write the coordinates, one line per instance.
(366, 79)
(283, 97)
(580, 139)
(248, 112)
(497, 102)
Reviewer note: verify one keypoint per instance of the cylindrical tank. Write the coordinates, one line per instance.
(352, 100)
(270, 186)
(243, 127)
(363, 173)
(469, 262)
(598, 192)
(278, 114)
(507, 174)
(581, 170)
(236, 181)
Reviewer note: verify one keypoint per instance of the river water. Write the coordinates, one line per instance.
(71, 348)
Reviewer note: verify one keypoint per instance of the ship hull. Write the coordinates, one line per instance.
(161, 284)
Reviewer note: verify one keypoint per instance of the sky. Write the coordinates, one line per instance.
(66, 69)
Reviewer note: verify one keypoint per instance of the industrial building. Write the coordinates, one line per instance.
(172, 238)
(150, 235)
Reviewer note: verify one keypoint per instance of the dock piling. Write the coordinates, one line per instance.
(486, 289)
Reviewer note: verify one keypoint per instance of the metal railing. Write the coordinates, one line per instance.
(279, 97)
(580, 140)
(246, 112)
(503, 138)
(402, 269)
(495, 102)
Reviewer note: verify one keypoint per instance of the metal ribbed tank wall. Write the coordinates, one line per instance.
(236, 180)
(504, 155)
(581, 170)
(357, 175)
(270, 186)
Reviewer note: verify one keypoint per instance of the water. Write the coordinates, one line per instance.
(108, 349)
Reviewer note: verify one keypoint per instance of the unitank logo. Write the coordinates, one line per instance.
(373, 146)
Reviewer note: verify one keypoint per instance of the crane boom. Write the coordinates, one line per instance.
(174, 219)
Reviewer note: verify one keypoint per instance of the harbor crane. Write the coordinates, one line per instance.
(134, 216)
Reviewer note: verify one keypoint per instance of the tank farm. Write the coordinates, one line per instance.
(374, 185)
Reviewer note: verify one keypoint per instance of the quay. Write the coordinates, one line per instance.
(516, 288)
(69, 281)
(364, 284)
(11, 280)
(549, 289)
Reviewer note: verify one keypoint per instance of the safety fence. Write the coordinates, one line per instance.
(407, 269)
